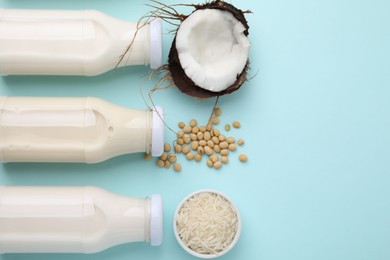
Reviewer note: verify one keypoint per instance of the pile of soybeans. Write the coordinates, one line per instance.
(199, 141)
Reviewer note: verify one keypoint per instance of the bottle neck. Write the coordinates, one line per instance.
(140, 221)
(124, 131)
(135, 45)
(127, 219)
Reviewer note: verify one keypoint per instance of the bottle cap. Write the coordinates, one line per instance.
(156, 220)
(155, 51)
(157, 132)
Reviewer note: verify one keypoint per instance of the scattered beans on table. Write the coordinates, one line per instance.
(195, 141)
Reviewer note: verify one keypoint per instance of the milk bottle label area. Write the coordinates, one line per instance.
(87, 130)
(80, 42)
(75, 219)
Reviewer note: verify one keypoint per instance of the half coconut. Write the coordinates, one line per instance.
(209, 54)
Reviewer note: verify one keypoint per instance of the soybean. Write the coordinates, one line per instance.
(167, 164)
(243, 157)
(190, 156)
(178, 148)
(181, 124)
(194, 145)
(172, 158)
(214, 158)
(224, 159)
(186, 139)
(193, 122)
(195, 129)
(206, 136)
(208, 150)
(193, 137)
(185, 149)
(221, 138)
(210, 163)
(224, 152)
(236, 124)
(224, 145)
(231, 140)
(187, 129)
(164, 156)
(218, 111)
(215, 120)
(198, 157)
(217, 165)
(210, 143)
(167, 147)
(160, 163)
(232, 147)
(180, 134)
(200, 150)
(177, 167)
(203, 143)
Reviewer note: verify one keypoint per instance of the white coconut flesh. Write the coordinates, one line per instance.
(212, 48)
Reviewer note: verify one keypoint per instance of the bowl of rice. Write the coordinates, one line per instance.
(207, 224)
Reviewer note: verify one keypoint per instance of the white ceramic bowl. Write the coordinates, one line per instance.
(194, 253)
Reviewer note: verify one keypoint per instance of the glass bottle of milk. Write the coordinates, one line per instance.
(90, 130)
(78, 42)
(75, 219)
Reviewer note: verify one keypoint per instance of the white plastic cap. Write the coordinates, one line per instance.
(157, 132)
(155, 51)
(156, 220)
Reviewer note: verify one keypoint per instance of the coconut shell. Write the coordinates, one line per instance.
(184, 83)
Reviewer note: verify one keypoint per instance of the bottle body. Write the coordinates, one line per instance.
(79, 42)
(90, 130)
(74, 219)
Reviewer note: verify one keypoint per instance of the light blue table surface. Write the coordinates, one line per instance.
(315, 117)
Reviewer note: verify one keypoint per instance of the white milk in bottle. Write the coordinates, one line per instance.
(90, 130)
(74, 42)
(75, 219)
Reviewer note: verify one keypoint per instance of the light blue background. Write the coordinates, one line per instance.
(315, 117)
